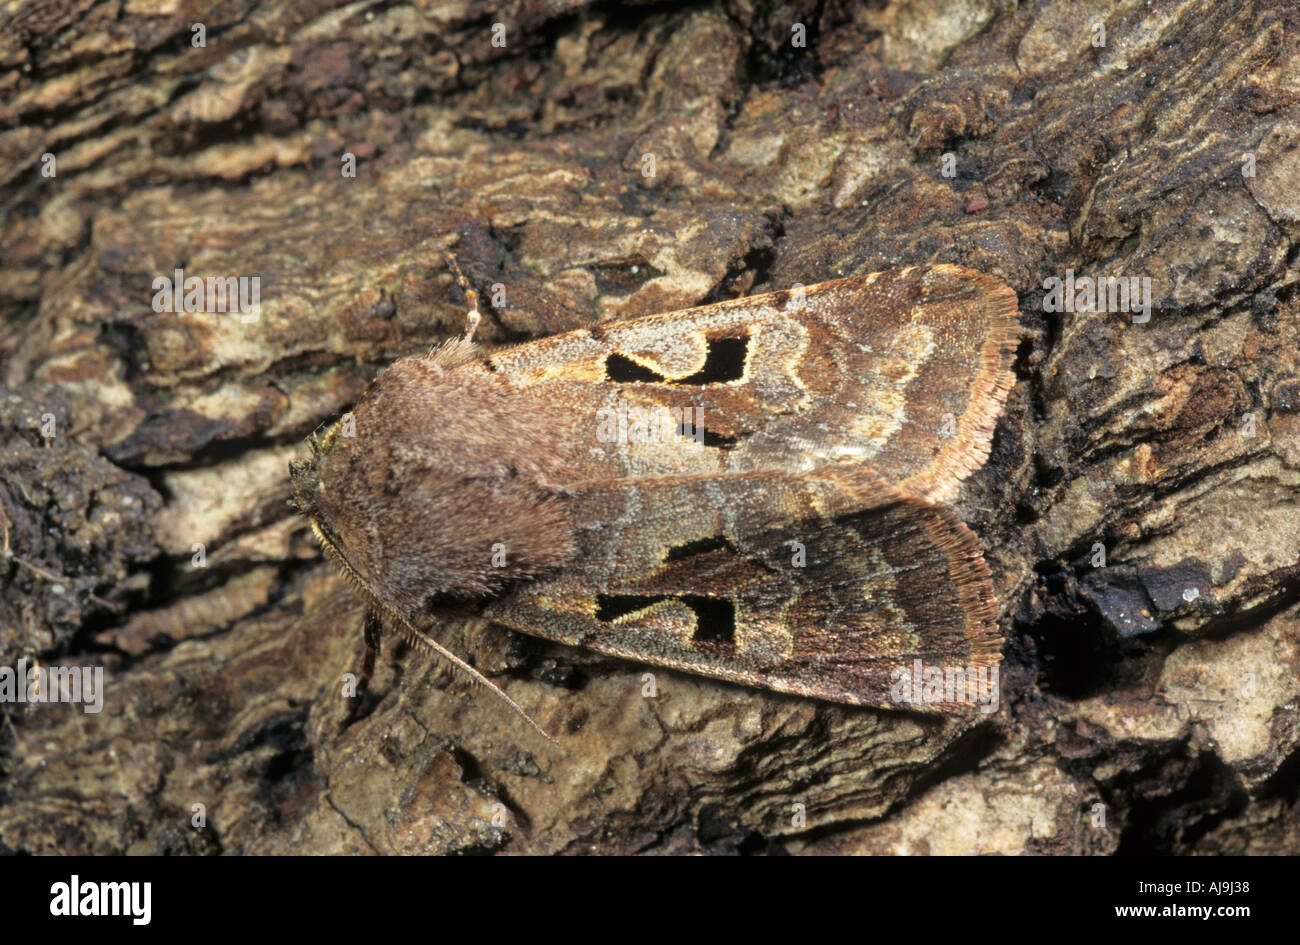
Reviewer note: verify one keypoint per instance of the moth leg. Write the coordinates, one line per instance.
(371, 628)
(471, 298)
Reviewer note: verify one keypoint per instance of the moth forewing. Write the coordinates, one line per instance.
(905, 371)
(828, 604)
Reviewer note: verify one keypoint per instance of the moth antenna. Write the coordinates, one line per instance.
(471, 298)
(415, 636)
(434, 646)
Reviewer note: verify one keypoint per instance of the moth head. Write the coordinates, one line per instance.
(307, 497)
(436, 486)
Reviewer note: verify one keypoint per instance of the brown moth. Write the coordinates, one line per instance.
(752, 490)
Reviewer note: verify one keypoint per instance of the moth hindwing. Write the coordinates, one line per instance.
(753, 490)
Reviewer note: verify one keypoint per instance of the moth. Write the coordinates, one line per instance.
(754, 490)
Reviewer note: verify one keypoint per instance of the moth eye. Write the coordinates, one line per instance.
(715, 617)
(724, 362)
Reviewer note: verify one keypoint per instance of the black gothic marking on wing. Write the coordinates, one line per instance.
(700, 546)
(715, 618)
(724, 362)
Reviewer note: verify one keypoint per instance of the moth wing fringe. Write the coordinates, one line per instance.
(992, 387)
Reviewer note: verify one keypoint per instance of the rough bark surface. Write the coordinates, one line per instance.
(1150, 704)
